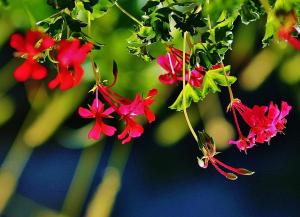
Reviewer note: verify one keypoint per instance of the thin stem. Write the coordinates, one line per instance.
(128, 14)
(231, 101)
(208, 17)
(183, 91)
(95, 71)
(237, 123)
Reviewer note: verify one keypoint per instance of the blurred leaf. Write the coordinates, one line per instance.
(97, 8)
(62, 4)
(250, 11)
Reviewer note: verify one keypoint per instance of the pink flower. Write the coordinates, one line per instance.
(243, 143)
(31, 47)
(264, 122)
(128, 113)
(71, 54)
(172, 65)
(97, 111)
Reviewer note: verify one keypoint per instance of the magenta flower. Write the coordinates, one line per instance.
(172, 65)
(264, 122)
(97, 111)
(128, 113)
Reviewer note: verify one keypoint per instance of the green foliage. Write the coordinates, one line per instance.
(95, 8)
(211, 82)
(251, 11)
(4, 2)
(215, 43)
(192, 94)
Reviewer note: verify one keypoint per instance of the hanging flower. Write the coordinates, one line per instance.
(71, 54)
(264, 122)
(208, 148)
(97, 112)
(31, 48)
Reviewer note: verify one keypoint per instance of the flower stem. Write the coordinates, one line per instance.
(95, 71)
(128, 14)
(183, 90)
(231, 101)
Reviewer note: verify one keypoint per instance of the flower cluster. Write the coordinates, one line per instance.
(67, 54)
(127, 110)
(264, 122)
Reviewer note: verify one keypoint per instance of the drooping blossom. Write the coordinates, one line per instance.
(127, 110)
(208, 148)
(31, 48)
(264, 122)
(70, 55)
(97, 112)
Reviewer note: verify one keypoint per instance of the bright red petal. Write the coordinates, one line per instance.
(17, 42)
(23, 72)
(38, 71)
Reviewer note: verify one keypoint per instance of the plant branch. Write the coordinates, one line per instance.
(128, 14)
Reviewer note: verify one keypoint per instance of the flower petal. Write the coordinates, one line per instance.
(85, 113)
(95, 132)
(23, 72)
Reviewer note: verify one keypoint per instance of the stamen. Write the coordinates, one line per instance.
(171, 64)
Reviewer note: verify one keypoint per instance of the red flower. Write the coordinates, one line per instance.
(262, 126)
(243, 143)
(97, 111)
(148, 102)
(288, 28)
(70, 57)
(31, 47)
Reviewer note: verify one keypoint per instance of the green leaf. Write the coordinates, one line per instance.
(215, 77)
(215, 43)
(96, 8)
(271, 28)
(250, 11)
(192, 94)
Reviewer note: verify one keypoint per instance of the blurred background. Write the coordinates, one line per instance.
(50, 168)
